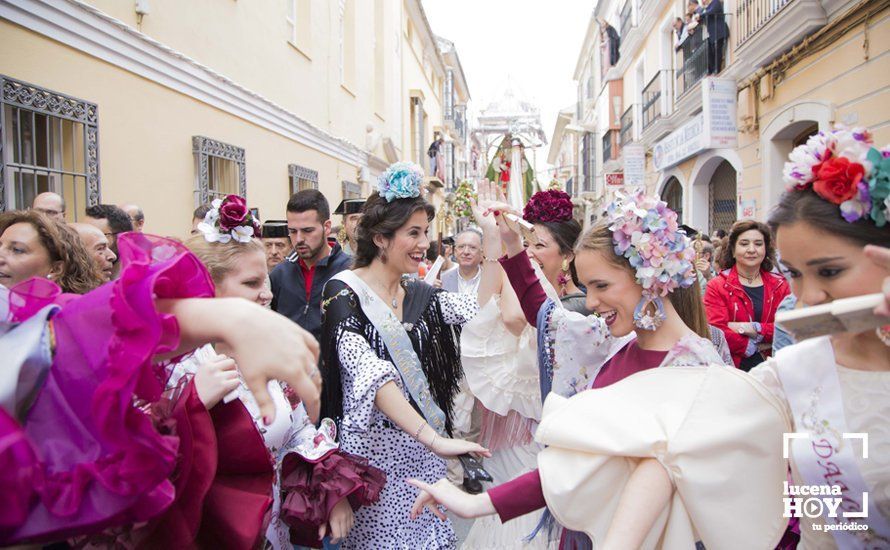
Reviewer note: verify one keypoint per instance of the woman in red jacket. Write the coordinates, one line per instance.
(743, 299)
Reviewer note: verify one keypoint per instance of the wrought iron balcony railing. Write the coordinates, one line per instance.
(652, 100)
(752, 15)
(627, 126)
(694, 65)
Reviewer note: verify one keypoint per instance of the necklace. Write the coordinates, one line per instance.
(749, 279)
(393, 301)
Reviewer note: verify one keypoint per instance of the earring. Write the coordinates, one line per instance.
(884, 334)
(649, 313)
(383, 255)
(563, 278)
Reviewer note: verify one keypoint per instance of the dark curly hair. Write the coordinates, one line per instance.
(384, 218)
(79, 273)
(726, 259)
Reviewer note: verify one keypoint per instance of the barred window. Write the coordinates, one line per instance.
(301, 178)
(48, 142)
(220, 170)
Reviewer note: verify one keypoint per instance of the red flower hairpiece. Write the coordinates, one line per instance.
(548, 206)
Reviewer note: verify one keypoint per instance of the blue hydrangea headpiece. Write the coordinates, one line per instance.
(402, 180)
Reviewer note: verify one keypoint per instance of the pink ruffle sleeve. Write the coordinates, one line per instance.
(313, 488)
(88, 455)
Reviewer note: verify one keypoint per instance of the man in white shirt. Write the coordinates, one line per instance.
(468, 250)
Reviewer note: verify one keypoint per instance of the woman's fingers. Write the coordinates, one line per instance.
(880, 256)
(322, 531)
(257, 386)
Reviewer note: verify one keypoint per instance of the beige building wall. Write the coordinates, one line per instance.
(844, 84)
(293, 82)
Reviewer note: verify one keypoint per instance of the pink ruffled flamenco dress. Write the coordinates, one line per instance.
(88, 443)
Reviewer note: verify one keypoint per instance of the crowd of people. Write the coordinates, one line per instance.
(287, 384)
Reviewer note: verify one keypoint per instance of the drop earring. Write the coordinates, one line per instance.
(649, 313)
(563, 278)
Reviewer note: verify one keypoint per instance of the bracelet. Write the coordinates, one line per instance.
(487, 259)
(419, 430)
(433, 440)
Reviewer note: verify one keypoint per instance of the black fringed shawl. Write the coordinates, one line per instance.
(436, 343)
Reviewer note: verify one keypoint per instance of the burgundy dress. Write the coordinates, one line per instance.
(524, 494)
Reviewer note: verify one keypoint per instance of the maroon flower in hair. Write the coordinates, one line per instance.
(548, 206)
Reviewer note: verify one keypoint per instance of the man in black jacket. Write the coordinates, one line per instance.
(718, 32)
(297, 282)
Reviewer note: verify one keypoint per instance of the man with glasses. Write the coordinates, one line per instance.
(468, 251)
(112, 221)
(51, 204)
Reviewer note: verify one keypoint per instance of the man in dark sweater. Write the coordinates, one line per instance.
(297, 282)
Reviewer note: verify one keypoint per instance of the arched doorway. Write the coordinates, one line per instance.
(722, 198)
(672, 194)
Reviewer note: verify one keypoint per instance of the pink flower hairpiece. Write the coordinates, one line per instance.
(228, 219)
(548, 206)
(645, 231)
(843, 167)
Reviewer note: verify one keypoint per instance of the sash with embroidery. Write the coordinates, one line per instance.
(809, 377)
(398, 344)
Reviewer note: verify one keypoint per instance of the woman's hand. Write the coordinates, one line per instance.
(745, 329)
(268, 346)
(265, 345)
(215, 379)
(341, 521)
(489, 210)
(443, 492)
(880, 256)
(447, 447)
(703, 266)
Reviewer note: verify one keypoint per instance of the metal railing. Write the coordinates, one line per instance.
(627, 126)
(652, 101)
(752, 15)
(624, 19)
(694, 67)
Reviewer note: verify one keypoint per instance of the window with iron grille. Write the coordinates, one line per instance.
(351, 190)
(607, 146)
(48, 142)
(627, 126)
(301, 178)
(220, 170)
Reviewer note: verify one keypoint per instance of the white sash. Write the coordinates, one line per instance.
(397, 342)
(809, 377)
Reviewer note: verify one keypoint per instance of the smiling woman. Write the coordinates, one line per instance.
(34, 245)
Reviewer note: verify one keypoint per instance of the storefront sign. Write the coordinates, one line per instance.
(714, 128)
(719, 109)
(680, 144)
(615, 179)
(634, 164)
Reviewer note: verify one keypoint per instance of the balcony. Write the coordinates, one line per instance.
(765, 29)
(694, 66)
(609, 152)
(652, 101)
(627, 126)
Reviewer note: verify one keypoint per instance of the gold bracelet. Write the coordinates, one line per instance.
(419, 430)
(433, 440)
(487, 259)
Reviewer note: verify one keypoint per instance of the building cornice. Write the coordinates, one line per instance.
(88, 30)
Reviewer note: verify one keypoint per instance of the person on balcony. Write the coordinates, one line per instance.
(718, 32)
(614, 41)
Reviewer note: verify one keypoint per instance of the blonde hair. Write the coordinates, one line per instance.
(686, 301)
(221, 259)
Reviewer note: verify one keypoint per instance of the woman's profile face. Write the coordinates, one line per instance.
(612, 291)
(546, 253)
(409, 244)
(22, 255)
(824, 267)
(247, 280)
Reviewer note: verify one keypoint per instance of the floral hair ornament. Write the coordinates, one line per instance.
(552, 205)
(401, 180)
(843, 167)
(645, 231)
(228, 219)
